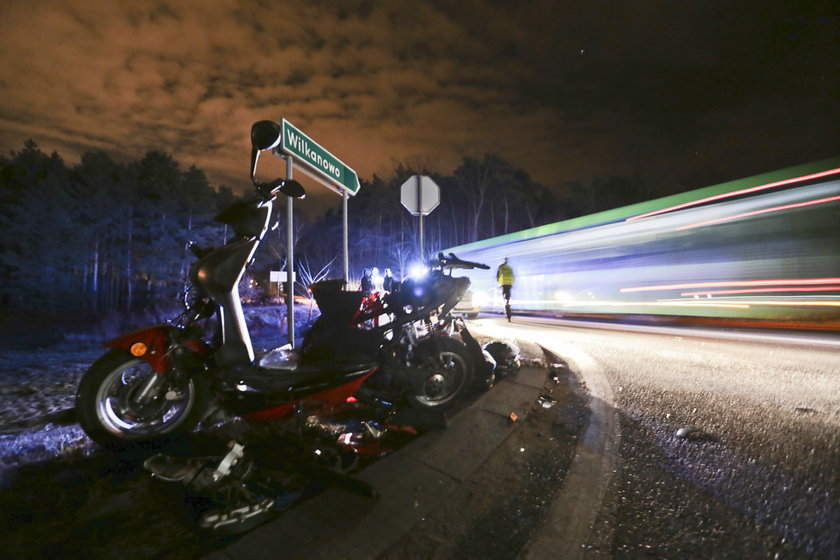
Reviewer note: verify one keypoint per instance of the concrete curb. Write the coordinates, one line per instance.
(568, 524)
(567, 527)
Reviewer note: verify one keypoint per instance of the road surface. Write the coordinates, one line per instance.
(712, 445)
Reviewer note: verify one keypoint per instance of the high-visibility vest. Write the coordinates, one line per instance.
(504, 275)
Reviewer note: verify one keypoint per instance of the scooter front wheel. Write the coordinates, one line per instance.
(112, 412)
(444, 374)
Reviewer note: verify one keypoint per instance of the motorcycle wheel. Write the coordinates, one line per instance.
(447, 373)
(109, 414)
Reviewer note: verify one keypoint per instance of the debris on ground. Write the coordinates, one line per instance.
(688, 432)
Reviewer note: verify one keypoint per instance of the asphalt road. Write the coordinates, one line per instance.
(725, 446)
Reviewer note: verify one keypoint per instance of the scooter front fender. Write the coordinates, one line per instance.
(152, 345)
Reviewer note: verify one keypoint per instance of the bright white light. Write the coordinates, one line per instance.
(417, 271)
(377, 278)
(564, 297)
(479, 298)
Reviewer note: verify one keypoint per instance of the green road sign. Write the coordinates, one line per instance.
(323, 166)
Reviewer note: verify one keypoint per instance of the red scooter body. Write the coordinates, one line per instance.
(324, 401)
(152, 345)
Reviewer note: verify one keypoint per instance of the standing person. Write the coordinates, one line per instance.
(367, 282)
(388, 281)
(505, 278)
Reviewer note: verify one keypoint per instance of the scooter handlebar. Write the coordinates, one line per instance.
(288, 187)
(452, 261)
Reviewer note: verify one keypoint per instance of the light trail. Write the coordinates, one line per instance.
(736, 193)
(549, 304)
(759, 212)
(763, 290)
(723, 284)
(796, 303)
(774, 258)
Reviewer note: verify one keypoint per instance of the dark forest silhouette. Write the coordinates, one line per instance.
(101, 235)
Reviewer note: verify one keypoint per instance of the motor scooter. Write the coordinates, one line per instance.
(162, 381)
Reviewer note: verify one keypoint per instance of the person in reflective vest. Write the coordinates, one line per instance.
(505, 278)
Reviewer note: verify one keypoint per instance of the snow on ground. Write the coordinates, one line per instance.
(38, 385)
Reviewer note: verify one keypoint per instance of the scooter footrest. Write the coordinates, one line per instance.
(293, 381)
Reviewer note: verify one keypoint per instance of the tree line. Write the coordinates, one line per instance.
(102, 235)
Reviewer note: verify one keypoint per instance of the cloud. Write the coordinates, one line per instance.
(565, 90)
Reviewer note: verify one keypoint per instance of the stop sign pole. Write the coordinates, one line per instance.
(420, 205)
(420, 195)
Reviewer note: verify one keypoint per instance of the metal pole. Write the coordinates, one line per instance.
(290, 258)
(420, 209)
(344, 197)
(421, 240)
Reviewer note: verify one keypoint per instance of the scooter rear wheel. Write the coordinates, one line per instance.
(110, 414)
(447, 372)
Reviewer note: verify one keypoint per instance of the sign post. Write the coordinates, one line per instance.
(319, 164)
(420, 195)
(290, 255)
(279, 277)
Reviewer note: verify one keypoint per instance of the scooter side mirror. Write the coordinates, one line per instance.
(265, 135)
(293, 189)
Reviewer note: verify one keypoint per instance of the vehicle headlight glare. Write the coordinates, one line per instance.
(563, 296)
(478, 298)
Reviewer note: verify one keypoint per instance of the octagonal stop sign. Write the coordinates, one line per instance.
(420, 195)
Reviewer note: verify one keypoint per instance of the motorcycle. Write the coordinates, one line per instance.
(162, 381)
(427, 357)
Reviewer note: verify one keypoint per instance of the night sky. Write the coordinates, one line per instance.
(683, 93)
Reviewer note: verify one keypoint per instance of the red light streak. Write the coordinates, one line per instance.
(725, 284)
(763, 290)
(794, 303)
(735, 193)
(758, 212)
